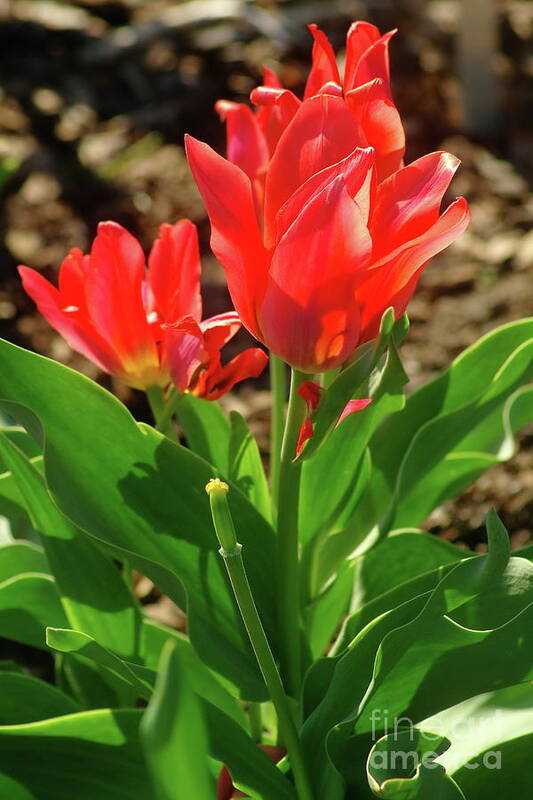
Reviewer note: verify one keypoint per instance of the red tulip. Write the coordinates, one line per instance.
(143, 325)
(337, 246)
(364, 115)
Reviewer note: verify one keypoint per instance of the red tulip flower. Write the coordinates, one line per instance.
(364, 113)
(143, 325)
(338, 247)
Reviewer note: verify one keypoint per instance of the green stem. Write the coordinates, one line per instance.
(256, 721)
(278, 390)
(287, 542)
(231, 552)
(163, 410)
(156, 401)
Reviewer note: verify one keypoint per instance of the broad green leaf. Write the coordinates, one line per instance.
(328, 486)
(324, 614)
(21, 439)
(92, 754)
(392, 663)
(141, 677)
(28, 603)
(245, 467)
(432, 480)
(401, 567)
(27, 699)
(174, 735)
(403, 766)
(143, 496)
(11, 503)
(403, 555)
(204, 682)
(228, 741)
(206, 430)
(90, 685)
(349, 680)
(93, 594)
(491, 738)
(68, 641)
(19, 557)
(466, 401)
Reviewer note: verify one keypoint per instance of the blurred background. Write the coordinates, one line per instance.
(95, 98)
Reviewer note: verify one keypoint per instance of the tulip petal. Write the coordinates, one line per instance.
(408, 202)
(277, 107)
(72, 274)
(309, 315)
(246, 144)
(393, 279)
(373, 63)
(322, 133)
(184, 351)
(311, 392)
(361, 36)
(114, 289)
(380, 125)
(358, 172)
(216, 381)
(68, 320)
(352, 406)
(174, 272)
(324, 67)
(218, 330)
(235, 234)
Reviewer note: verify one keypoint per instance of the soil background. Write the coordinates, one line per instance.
(95, 98)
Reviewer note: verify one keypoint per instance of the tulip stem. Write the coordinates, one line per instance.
(256, 721)
(287, 542)
(231, 552)
(163, 410)
(278, 391)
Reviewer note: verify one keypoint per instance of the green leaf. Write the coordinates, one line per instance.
(204, 682)
(174, 734)
(418, 657)
(21, 439)
(143, 496)
(11, 501)
(27, 699)
(245, 467)
(28, 603)
(403, 766)
(206, 429)
(68, 641)
(90, 685)
(86, 755)
(141, 677)
(93, 594)
(329, 479)
(491, 737)
(450, 430)
(228, 741)
(19, 557)
(403, 555)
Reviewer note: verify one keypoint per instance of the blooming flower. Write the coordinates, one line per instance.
(363, 112)
(338, 247)
(143, 325)
(315, 221)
